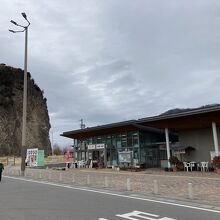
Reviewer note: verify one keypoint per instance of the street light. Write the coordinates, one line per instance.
(24, 116)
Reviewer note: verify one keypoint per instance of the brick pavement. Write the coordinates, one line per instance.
(206, 186)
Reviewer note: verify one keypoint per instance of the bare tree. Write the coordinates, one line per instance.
(57, 149)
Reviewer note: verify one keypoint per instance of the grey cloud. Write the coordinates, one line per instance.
(108, 61)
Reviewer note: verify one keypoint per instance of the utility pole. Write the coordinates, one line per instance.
(82, 126)
(24, 116)
(52, 140)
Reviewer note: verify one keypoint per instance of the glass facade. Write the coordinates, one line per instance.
(144, 147)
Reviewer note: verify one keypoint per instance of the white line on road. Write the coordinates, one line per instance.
(114, 194)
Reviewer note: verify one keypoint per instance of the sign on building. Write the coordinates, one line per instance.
(96, 146)
(100, 146)
(125, 156)
(91, 146)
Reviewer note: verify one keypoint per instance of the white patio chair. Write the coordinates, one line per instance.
(186, 166)
(205, 166)
(199, 167)
(192, 164)
(81, 164)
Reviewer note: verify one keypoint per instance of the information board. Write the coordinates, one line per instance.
(125, 156)
(31, 158)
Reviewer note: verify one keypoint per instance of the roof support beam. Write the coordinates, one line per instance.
(214, 130)
(167, 145)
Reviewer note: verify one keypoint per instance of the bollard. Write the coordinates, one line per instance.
(40, 175)
(190, 191)
(106, 181)
(156, 187)
(88, 179)
(60, 178)
(73, 178)
(128, 184)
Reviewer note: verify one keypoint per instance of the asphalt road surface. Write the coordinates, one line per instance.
(24, 200)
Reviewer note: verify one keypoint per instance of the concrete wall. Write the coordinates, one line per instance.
(12, 161)
(201, 140)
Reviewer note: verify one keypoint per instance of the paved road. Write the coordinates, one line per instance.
(23, 200)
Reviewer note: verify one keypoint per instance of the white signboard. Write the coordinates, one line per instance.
(96, 146)
(31, 158)
(91, 146)
(100, 146)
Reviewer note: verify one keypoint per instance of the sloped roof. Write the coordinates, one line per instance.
(175, 121)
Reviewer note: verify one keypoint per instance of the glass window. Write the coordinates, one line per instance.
(108, 141)
(135, 139)
(124, 140)
(118, 142)
(129, 140)
(114, 142)
(136, 153)
(99, 140)
(94, 141)
(90, 155)
(90, 140)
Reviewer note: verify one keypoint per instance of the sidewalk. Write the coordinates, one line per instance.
(172, 185)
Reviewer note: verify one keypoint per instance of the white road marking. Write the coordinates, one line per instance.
(114, 194)
(137, 215)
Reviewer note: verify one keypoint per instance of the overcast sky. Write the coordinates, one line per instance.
(112, 60)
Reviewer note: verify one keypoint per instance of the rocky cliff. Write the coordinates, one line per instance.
(11, 99)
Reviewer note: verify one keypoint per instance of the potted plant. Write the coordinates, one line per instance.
(216, 162)
(174, 161)
(180, 166)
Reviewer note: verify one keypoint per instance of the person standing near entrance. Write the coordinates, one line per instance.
(1, 170)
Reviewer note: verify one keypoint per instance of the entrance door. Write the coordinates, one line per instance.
(98, 157)
(95, 155)
(152, 157)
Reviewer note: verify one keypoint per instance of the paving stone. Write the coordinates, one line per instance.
(173, 185)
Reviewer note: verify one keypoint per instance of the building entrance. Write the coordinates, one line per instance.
(98, 158)
(152, 157)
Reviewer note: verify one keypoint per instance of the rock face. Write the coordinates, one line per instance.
(11, 104)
